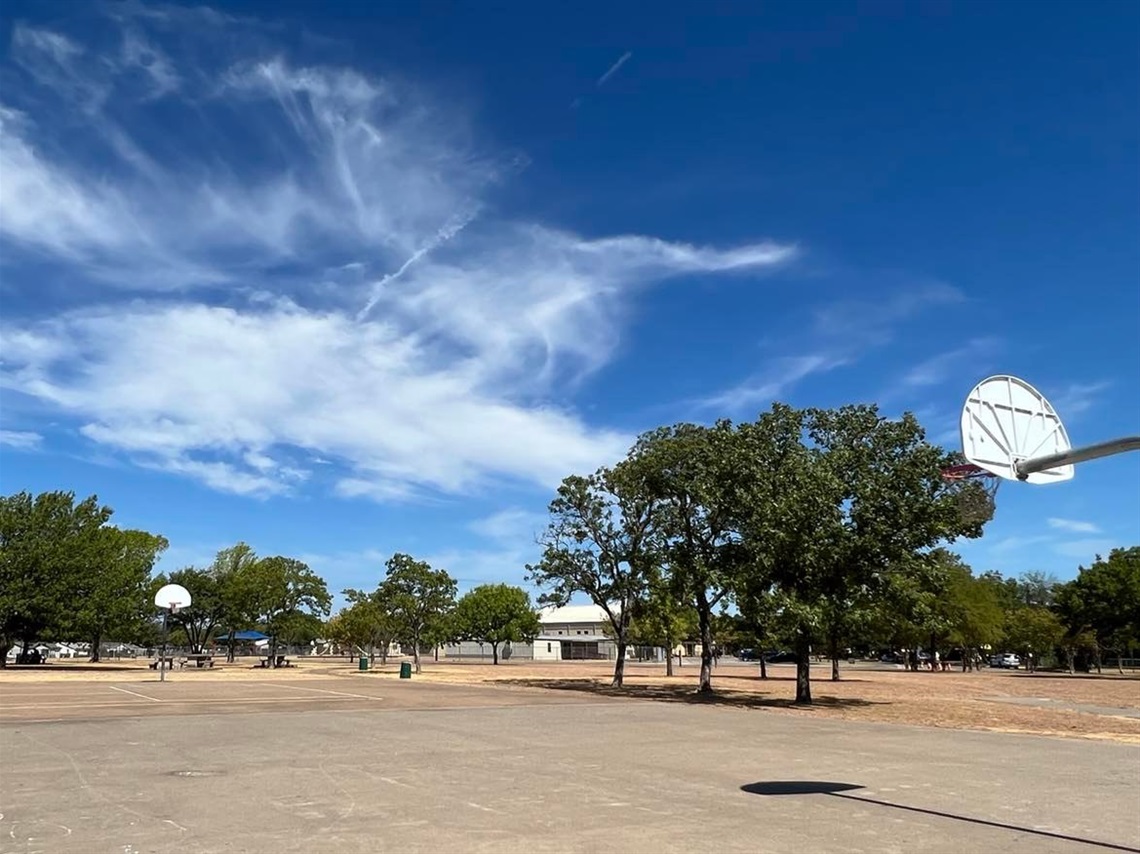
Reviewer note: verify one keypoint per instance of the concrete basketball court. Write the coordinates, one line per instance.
(370, 764)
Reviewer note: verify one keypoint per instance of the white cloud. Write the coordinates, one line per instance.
(1077, 398)
(961, 361)
(21, 440)
(1085, 550)
(513, 526)
(1073, 526)
(864, 322)
(772, 382)
(342, 292)
(415, 350)
(1017, 543)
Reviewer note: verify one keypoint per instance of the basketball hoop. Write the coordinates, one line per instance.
(975, 490)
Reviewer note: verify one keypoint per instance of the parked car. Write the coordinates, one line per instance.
(748, 655)
(780, 657)
(1006, 660)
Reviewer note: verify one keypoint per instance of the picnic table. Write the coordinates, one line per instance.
(199, 659)
(267, 661)
(168, 660)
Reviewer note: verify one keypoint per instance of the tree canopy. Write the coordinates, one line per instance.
(495, 614)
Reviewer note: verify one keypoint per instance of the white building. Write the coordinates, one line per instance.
(574, 632)
(571, 633)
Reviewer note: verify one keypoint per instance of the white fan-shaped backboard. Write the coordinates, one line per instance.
(172, 596)
(1006, 420)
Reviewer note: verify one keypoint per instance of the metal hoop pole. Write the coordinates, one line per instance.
(1024, 468)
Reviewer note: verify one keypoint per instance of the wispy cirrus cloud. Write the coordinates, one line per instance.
(1085, 549)
(776, 379)
(21, 440)
(613, 69)
(937, 369)
(1074, 526)
(1077, 398)
(839, 334)
(272, 265)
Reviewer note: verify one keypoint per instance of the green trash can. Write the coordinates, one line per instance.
(363, 662)
(405, 670)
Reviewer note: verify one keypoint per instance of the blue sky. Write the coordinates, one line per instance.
(361, 278)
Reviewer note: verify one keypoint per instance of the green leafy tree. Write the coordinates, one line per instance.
(759, 616)
(1033, 631)
(1103, 602)
(283, 591)
(976, 612)
(368, 623)
(420, 598)
(237, 586)
(791, 523)
(694, 475)
(495, 614)
(893, 504)
(48, 543)
(112, 597)
(599, 542)
(662, 618)
(207, 609)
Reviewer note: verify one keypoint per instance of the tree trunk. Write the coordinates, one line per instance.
(371, 655)
(95, 648)
(704, 618)
(231, 643)
(5, 648)
(384, 647)
(669, 656)
(833, 652)
(273, 651)
(1096, 659)
(416, 654)
(494, 652)
(763, 666)
(803, 668)
(619, 665)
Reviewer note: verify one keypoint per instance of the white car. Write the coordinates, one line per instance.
(1006, 659)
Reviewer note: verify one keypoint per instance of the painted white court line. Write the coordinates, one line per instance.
(135, 694)
(324, 691)
(171, 702)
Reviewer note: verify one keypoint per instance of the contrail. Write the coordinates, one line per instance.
(614, 68)
(448, 231)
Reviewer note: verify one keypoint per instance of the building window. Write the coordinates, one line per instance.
(548, 648)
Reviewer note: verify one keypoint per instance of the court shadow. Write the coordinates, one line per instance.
(836, 790)
(683, 694)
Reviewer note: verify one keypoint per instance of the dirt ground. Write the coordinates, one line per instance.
(1081, 706)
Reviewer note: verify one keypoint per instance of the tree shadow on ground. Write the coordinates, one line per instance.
(836, 790)
(1063, 676)
(684, 694)
(752, 678)
(68, 668)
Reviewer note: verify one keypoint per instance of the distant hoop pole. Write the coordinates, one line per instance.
(1024, 468)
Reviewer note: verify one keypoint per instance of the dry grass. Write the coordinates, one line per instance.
(953, 700)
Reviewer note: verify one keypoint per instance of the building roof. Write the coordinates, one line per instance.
(572, 614)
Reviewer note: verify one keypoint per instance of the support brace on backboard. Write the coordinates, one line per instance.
(1024, 468)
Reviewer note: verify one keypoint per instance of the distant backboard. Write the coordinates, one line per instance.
(1005, 421)
(172, 597)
